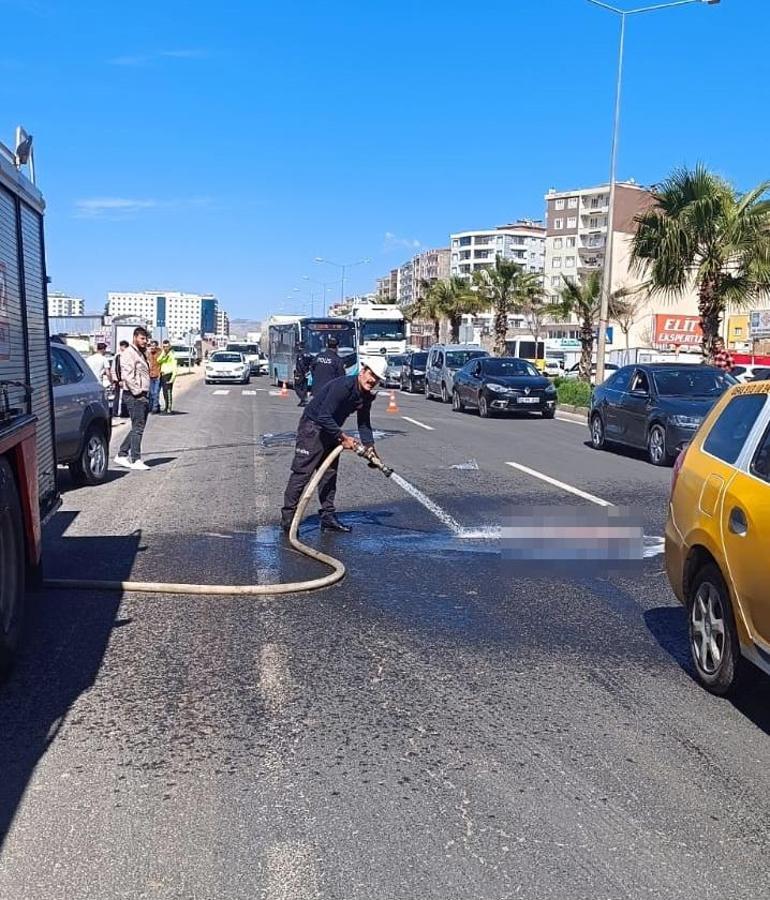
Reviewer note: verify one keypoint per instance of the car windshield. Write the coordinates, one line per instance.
(226, 357)
(419, 360)
(251, 349)
(695, 381)
(317, 335)
(503, 367)
(396, 360)
(456, 359)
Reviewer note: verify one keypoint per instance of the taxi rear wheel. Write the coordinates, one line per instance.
(714, 645)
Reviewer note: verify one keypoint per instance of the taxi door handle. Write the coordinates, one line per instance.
(737, 523)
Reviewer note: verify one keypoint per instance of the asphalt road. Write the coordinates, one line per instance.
(446, 723)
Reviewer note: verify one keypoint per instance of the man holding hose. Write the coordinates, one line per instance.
(320, 431)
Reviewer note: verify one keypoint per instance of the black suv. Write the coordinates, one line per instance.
(82, 420)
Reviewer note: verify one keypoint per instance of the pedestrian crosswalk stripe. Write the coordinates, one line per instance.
(249, 393)
(220, 393)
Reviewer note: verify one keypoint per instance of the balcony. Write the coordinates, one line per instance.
(592, 245)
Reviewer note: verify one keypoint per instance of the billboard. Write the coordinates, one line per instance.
(759, 324)
(673, 331)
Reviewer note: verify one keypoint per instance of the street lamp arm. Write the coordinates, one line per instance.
(614, 9)
(657, 6)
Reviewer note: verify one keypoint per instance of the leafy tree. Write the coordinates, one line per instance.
(507, 289)
(452, 299)
(700, 230)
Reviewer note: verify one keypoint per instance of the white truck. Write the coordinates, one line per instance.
(380, 329)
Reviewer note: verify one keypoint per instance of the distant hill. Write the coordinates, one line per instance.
(242, 326)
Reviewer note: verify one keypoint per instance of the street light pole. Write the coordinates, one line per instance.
(343, 267)
(601, 348)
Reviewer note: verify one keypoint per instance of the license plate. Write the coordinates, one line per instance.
(527, 399)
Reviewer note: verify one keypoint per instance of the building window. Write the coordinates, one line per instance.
(571, 279)
(465, 242)
(569, 262)
(572, 222)
(559, 204)
(570, 242)
(557, 243)
(555, 281)
(738, 331)
(558, 224)
(572, 202)
(556, 262)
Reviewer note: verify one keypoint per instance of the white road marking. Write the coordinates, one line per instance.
(220, 393)
(249, 393)
(561, 484)
(572, 421)
(421, 424)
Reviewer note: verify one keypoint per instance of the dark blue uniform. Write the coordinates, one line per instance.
(319, 432)
(325, 368)
(301, 369)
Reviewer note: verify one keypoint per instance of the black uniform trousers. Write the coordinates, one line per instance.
(312, 448)
(300, 387)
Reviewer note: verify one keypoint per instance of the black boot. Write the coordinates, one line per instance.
(332, 523)
(286, 523)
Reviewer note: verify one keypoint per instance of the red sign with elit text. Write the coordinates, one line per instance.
(673, 331)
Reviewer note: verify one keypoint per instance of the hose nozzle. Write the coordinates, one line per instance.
(374, 461)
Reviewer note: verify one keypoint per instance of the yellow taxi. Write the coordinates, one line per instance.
(718, 537)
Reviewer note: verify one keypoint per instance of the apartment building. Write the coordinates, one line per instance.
(63, 305)
(222, 324)
(522, 241)
(178, 312)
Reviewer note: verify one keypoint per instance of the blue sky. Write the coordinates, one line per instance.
(222, 146)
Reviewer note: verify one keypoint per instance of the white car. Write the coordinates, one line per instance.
(574, 373)
(750, 372)
(553, 368)
(227, 366)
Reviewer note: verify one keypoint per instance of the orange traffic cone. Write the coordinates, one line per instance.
(284, 391)
(392, 406)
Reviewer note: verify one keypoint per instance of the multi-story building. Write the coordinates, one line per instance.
(405, 295)
(522, 241)
(404, 285)
(428, 266)
(223, 324)
(176, 312)
(63, 305)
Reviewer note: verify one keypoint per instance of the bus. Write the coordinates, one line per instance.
(525, 347)
(284, 336)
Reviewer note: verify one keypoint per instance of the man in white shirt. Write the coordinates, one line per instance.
(100, 365)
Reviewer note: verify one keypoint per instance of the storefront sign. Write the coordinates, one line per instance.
(759, 326)
(677, 331)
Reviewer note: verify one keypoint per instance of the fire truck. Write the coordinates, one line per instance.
(28, 493)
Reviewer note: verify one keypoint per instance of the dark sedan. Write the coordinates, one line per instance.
(497, 384)
(657, 407)
(413, 372)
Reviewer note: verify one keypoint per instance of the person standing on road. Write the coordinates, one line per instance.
(100, 365)
(723, 359)
(117, 402)
(154, 377)
(320, 431)
(135, 371)
(168, 370)
(327, 366)
(301, 370)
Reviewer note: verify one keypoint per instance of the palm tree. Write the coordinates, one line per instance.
(453, 298)
(583, 301)
(535, 310)
(700, 229)
(426, 307)
(507, 289)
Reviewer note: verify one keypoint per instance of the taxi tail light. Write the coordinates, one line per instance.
(678, 467)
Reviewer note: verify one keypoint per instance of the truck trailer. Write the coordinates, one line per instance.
(28, 493)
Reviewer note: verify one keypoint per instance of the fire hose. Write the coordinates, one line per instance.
(247, 590)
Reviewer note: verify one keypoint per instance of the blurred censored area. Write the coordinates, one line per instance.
(604, 537)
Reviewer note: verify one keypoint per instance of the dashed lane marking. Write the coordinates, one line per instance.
(249, 393)
(561, 484)
(421, 424)
(220, 393)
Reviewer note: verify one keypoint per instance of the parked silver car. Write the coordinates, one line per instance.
(82, 421)
(443, 361)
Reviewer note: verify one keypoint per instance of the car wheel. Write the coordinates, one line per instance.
(549, 413)
(247, 379)
(91, 466)
(427, 391)
(656, 446)
(457, 403)
(12, 566)
(484, 410)
(403, 386)
(714, 645)
(598, 441)
(444, 393)
(206, 381)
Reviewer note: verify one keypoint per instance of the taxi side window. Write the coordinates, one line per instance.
(728, 434)
(760, 465)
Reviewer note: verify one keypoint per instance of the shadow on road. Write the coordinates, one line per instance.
(66, 638)
(668, 625)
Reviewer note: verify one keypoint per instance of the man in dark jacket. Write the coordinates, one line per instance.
(326, 366)
(320, 431)
(301, 370)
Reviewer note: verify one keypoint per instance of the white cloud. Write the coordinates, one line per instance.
(127, 207)
(147, 59)
(394, 242)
